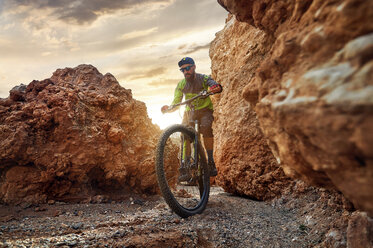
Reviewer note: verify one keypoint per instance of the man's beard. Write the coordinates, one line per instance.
(191, 77)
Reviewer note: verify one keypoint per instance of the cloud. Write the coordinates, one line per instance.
(78, 11)
(125, 41)
(150, 73)
(181, 47)
(150, 24)
(1, 6)
(138, 41)
(194, 48)
(138, 33)
(164, 82)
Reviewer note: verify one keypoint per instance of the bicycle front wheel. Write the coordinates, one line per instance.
(184, 197)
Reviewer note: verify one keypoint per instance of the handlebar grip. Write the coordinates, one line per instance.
(168, 109)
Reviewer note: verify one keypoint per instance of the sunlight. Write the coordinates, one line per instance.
(164, 120)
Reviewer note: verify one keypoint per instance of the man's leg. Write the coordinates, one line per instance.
(209, 145)
(186, 148)
(208, 139)
(184, 174)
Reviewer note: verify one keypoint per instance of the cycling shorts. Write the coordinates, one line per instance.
(205, 118)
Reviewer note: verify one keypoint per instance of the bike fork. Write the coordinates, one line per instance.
(196, 154)
(193, 152)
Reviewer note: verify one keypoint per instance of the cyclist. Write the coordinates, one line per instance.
(190, 86)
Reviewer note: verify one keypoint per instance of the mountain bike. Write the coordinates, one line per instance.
(185, 198)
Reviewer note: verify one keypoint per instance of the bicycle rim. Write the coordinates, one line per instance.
(187, 197)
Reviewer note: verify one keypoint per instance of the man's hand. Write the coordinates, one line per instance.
(216, 88)
(164, 109)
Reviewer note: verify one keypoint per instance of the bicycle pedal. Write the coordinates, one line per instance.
(191, 182)
(193, 166)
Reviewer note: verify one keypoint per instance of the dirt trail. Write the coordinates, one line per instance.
(228, 221)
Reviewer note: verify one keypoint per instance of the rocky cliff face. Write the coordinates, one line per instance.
(73, 136)
(305, 69)
(245, 162)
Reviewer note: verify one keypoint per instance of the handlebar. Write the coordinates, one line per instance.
(202, 94)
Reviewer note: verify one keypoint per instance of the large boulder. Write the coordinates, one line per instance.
(73, 136)
(307, 68)
(245, 162)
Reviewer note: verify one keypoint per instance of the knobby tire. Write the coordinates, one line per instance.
(203, 180)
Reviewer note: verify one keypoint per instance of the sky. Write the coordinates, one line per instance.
(138, 41)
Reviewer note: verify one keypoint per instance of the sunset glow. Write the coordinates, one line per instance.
(139, 42)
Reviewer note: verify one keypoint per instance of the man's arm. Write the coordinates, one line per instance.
(213, 86)
(178, 96)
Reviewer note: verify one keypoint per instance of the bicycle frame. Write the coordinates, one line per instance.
(184, 143)
(193, 120)
(186, 198)
(189, 103)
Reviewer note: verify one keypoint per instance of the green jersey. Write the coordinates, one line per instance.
(191, 89)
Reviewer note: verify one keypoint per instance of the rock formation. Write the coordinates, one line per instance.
(245, 162)
(360, 230)
(305, 68)
(73, 136)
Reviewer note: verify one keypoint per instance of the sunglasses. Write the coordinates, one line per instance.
(186, 68)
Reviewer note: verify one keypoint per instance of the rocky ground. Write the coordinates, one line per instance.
(228, 221)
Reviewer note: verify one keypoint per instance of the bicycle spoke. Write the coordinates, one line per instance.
(188, 194)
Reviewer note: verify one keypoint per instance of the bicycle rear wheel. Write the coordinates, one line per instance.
(184, 198)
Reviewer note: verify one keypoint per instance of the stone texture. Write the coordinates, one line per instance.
(73, 136)
(360, 231)
(307, 69)
(245, 162)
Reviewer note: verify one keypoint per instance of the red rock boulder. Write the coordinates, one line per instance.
(307, 68)
(73, 136)
(245, 162)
